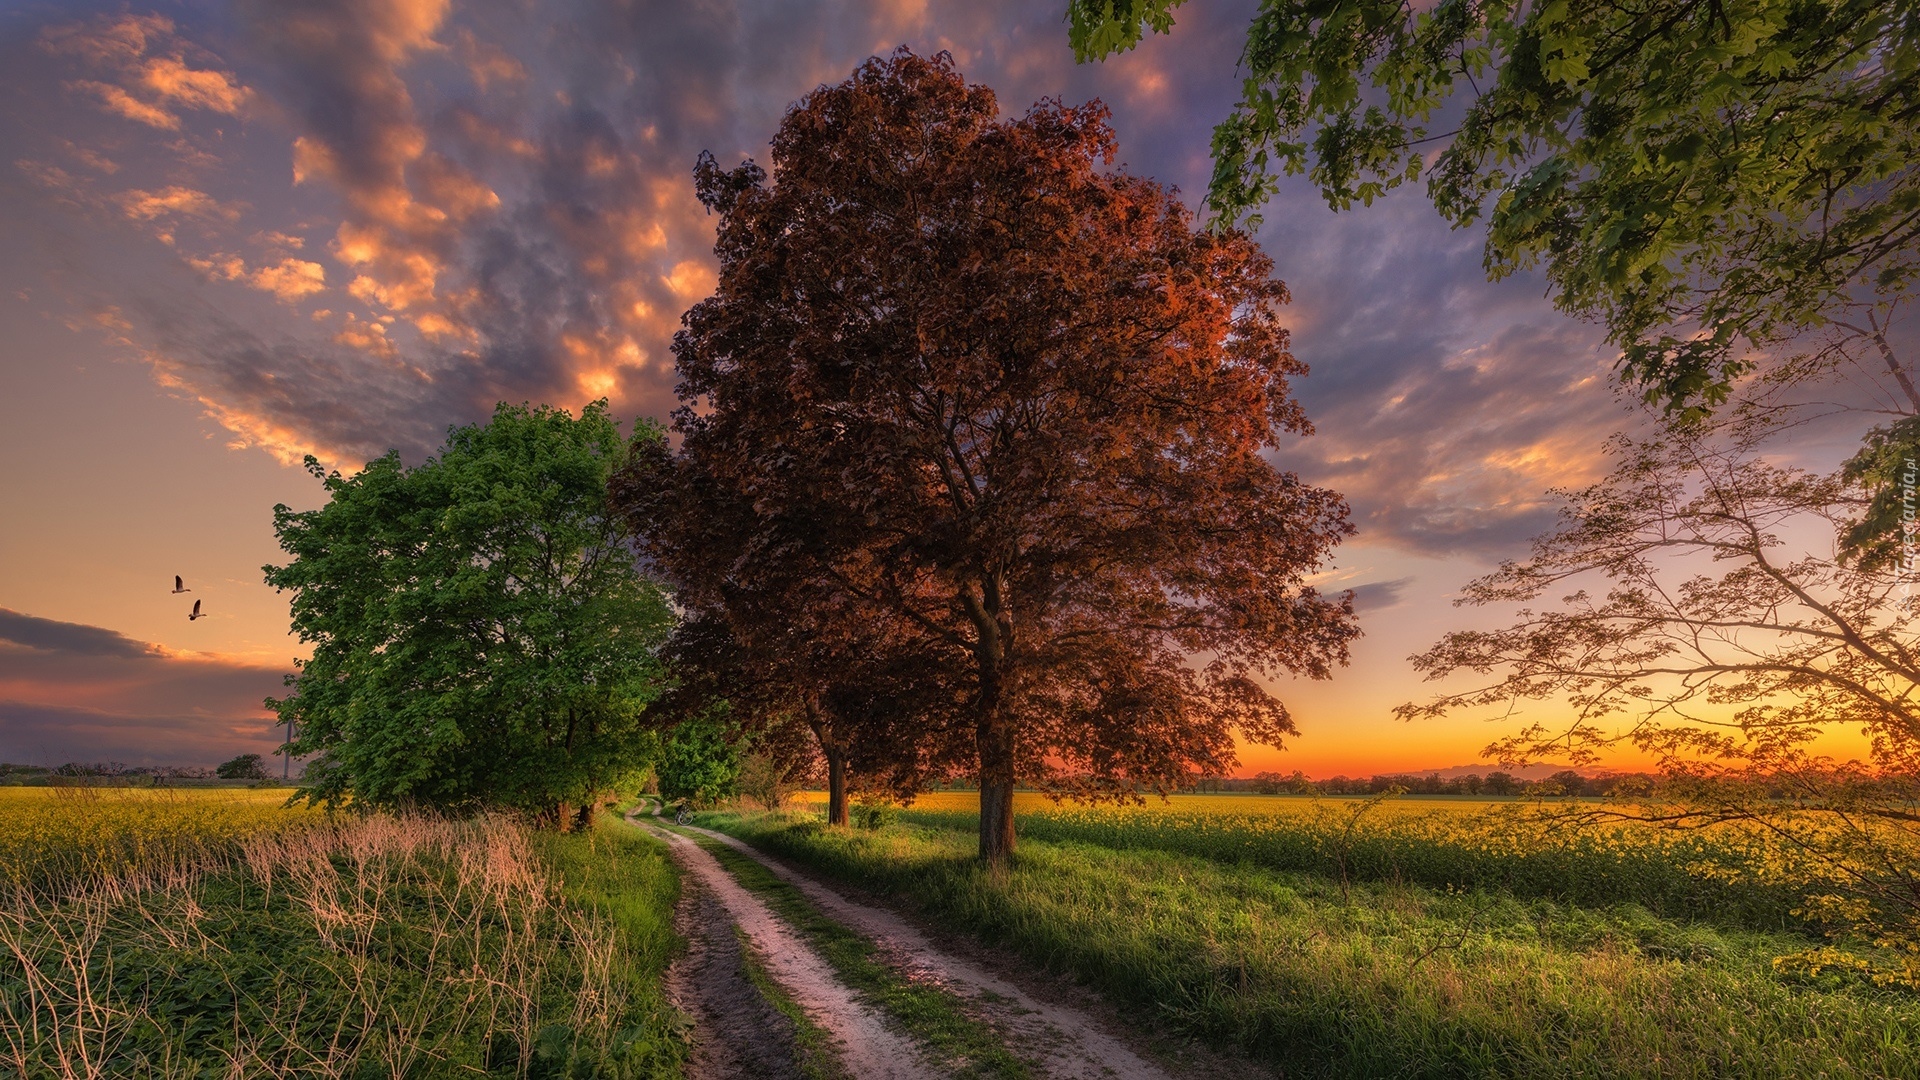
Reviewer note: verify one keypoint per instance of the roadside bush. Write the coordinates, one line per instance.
(871, 813)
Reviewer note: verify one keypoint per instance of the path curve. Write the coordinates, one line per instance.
(1069, 1043)
(868, 1048)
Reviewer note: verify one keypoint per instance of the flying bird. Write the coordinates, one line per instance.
(196, 612)
(179, 586)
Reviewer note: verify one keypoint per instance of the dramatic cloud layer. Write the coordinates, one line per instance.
(340, 226)
(70, 692)
(47, 635)
(369, 220)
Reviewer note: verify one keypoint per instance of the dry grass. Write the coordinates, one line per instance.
(396, 944)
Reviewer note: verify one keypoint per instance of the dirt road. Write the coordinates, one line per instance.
(868, 1048)
(1061, 1042)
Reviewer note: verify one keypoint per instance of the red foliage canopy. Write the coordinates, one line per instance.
(981, 386)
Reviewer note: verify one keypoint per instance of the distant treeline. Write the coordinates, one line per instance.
(113, 773)
(1567, 782)
(108, 769)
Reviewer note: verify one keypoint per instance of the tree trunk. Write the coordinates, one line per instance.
(993, 730)
(996, 791)
(584, 819)
(821, 725)
(836, 785)
(562, 817)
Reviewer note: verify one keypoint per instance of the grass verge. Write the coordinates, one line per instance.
(1376, 979)
(938, 1018)
(628, 879)
(370, 945)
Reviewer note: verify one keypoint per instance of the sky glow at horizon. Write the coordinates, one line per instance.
(238, 234)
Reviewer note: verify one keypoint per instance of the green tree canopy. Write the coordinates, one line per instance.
(480, 632)
(1706, 178)
(701, 757)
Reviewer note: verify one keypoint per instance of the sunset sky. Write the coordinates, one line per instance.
(234, 235)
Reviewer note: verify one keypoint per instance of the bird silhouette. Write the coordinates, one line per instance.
(196, 612)
(179, 586)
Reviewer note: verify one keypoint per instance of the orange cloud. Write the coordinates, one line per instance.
(275, 238)
(450, 189)
(146, 205)
(198, 88)
(290, 279)
(692, 279)
(400, 27)
(121, 103)
(92, 159)
(437, 326)
(367, 336)
(488, 64)
(281, 440)
(229, 267)
(106, 41)
(163, 80)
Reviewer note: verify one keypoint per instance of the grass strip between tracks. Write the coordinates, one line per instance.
(818, 1061)
(936, 1017)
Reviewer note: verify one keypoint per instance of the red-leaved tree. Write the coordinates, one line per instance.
(777, 638)
(992, 390)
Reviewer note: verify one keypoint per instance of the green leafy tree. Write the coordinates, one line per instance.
(702, 758)
(481, 634)
(1707, 178)
(767, 779)
(244, 767)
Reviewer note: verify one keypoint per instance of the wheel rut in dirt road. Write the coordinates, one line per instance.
(737, 1033)
(868, 1048)
(1067, 1044)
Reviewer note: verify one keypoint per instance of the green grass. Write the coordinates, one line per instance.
(814, 1043)
(361, 947)
(936, 1017)
(629, 879)
(1377, 979)
(1720, 876)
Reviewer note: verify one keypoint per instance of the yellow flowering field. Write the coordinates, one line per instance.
(54, 833)
(1025, 802)
(1726, 874)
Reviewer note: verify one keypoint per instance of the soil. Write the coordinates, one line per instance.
(736, 1032)
(1065, 1042)
(867, 1047)
(1066, 1031)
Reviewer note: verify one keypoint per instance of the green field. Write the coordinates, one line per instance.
(215, 934)
(1420, 938)
(1735, 879)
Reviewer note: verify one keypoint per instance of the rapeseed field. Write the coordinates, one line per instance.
(1346, 937)
(1725, 874)
(56, 834)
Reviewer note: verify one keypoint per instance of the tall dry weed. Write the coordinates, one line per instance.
(402, 941)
